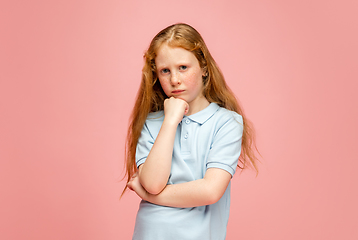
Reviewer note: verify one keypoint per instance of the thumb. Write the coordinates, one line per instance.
(186, 109)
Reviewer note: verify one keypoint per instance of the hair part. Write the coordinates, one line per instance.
(150, 96)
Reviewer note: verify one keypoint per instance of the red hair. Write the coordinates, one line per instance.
(150, 96)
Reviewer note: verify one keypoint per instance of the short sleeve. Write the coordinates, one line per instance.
(144, 145)
(226, 146)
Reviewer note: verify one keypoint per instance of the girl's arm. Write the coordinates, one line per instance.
(200, 192)
(154, 172)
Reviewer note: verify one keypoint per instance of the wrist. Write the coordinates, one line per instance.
(170, 122)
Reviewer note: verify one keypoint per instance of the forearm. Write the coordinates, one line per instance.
(155, 171)
(200, 192)
(183, 195)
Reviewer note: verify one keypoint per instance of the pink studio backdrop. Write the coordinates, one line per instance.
(69, 73)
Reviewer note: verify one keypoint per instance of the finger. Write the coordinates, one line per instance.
(129, 186)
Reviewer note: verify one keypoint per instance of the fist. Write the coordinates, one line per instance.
(175, 109)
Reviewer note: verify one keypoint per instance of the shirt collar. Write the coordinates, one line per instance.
(202, 116)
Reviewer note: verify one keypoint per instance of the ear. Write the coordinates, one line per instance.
(205, 71)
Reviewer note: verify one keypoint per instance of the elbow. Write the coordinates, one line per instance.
(213, 198)
(153, 188)
(213, 195)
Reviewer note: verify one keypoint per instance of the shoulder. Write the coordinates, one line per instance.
(227, 127)
(153, 123)
(154, 119)
(226, 124)
(224, 116)
(155, 116)
(223, 123)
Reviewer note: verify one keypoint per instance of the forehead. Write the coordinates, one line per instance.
(167, 55)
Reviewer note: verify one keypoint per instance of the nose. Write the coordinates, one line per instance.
(175, 79)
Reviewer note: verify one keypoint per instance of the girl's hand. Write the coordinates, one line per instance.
(175, 109)
(135, 186)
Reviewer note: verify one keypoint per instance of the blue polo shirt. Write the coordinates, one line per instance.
(210, 138)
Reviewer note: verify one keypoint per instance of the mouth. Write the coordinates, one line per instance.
(177, 91)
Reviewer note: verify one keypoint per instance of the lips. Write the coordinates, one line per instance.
(177, 91)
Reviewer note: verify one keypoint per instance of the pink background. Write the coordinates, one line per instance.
(69, 72)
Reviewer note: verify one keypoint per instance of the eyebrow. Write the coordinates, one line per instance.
(180, 64)
(161, 66)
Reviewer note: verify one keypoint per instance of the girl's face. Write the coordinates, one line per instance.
(181, 76)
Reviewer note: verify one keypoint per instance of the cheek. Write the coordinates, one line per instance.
(165, 86)
(194, 80)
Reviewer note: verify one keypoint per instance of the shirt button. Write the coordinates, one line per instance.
(186, 136)
(187, 121)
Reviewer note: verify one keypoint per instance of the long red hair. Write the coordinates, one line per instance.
(150, 96)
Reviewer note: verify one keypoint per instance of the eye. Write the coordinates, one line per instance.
(183, 67)
(164, 71)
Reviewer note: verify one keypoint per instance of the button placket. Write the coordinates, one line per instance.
(185, 142)
(187, 121)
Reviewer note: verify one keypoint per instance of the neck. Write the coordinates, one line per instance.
(197, 105)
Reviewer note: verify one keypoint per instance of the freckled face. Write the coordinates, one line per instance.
(180, 76)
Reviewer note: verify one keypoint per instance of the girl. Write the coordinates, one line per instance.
(184, 141)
